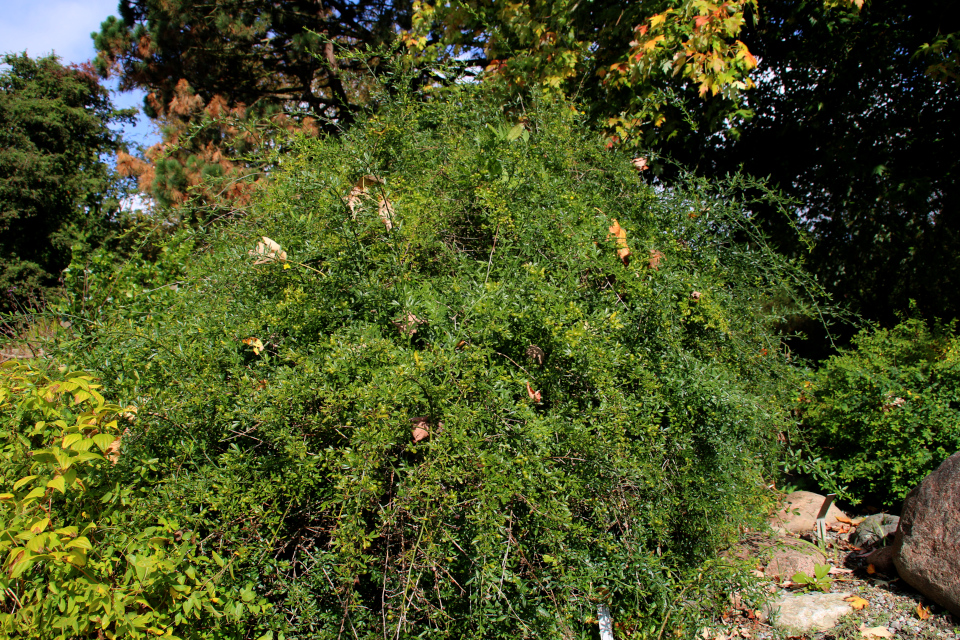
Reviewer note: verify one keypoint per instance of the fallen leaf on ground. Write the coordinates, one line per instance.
(856, 602)
(843, 518)
(922, 612)
(871, 569)
(875, 632)
(837, 570)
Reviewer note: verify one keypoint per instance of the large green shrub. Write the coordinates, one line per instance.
(885, 413)
(442, 404)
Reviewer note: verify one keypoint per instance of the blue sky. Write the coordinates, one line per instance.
(63, 27)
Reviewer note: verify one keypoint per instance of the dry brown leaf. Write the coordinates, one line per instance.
(407, 326)
(536, 354)
(843, 518)
(695, 296)
(267, 251)
(362, 189)
(856, 602)
(875, 632)
(839, 570)
(640, 164)
(655, 258)
(871, 569)
(536, 396)
(922, 612)
(619, 234)
(421, 428)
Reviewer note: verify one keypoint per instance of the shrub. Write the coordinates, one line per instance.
(421, 388)
(81, 560)
(886, 413)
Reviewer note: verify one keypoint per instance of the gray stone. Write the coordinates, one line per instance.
(799, 512)
(875, 528)
(809, 613)
(927, 546)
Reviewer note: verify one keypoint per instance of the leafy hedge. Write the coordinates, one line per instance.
(885, 413)
(420, 388)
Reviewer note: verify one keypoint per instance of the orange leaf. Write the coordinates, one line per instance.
(871, 569)
(843, 518)
(700, 21)
(857, 602)
(619, 234)
(922, 613)
(254, 343)
(536, 396)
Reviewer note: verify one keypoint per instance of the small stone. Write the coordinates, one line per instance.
(809, 613)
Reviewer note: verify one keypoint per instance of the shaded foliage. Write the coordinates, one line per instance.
(55, 190)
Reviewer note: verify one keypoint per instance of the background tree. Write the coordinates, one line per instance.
(214, 68)
(850, 109)
(55, 189)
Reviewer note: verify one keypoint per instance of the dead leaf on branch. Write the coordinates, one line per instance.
(536, 354)
(267, 251)
(640, 164)
(408, 325)
(361, 190)
(253, 343)
(655, 258)
(536, 396)
(421, 428)
(619, 234)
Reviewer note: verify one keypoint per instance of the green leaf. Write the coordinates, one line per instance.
(38, 492)
(515, 132)
(70, 439)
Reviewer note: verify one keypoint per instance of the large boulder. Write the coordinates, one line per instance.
(799, 512)
(794, 556)
(927, 545)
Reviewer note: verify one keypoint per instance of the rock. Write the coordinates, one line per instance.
(798, 557)
(809, 613)
(882, 560)
(799, 512)
(875, 528)
(927, 547)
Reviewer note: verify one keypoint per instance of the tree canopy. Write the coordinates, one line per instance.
(55, 189)
(212, 69)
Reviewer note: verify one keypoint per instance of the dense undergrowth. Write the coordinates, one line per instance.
(444, 403)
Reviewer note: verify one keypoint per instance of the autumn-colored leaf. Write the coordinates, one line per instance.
(421, 428)
(267, 251)
(856, 602)
(254, 343)
(875, 632)
(843, 518)
(536, 396)
(640, 164)
(536, 354)
(408, 325)
(922, 612)
(655, 258)
(362, 189)
(700, 21)
(871, 569)
(619, 234)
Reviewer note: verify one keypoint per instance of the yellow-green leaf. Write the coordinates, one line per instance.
(70, 439)
(22, 481)
(103, 441)
(39, 525)
(58, 484)
(81, 542)
(37, 492)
